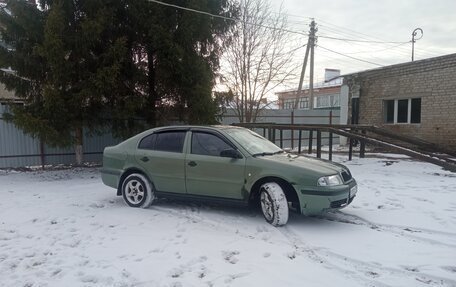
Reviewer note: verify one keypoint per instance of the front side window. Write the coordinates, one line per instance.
(170, 141)
(403, 111)
(208, 144)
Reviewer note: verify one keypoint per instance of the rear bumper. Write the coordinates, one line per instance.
(110, 177)
(318, 200)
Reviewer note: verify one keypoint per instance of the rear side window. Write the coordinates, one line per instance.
(170, 141)
(148, 142)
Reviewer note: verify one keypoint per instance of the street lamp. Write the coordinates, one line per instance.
(414, 33)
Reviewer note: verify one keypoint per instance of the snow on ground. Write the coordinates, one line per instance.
(65, 228)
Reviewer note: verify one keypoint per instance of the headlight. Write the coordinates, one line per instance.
(330, 180)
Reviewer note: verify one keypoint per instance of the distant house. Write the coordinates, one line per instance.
(7, 97)
(326, 94)
(413, 99)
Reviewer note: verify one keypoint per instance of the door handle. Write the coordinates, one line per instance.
(145, 159)
(192, 163)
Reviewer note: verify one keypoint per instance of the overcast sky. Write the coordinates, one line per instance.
(380, 20)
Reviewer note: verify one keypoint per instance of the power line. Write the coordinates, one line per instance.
(269, 27)
(361, 60)
(343, 30)
(226, 18)
(361, 41)
(376, 51)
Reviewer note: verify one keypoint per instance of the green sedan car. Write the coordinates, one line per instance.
(224, 164)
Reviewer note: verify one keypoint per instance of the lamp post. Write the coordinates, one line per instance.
(414, 33)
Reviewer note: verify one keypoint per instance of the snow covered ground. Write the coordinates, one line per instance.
(65, 228)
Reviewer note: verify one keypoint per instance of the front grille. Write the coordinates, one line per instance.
(340, 203)
(346, 175)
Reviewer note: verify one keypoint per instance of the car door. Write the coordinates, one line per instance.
(161, 155)
(209, 174)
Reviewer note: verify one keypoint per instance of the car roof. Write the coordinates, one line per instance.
(190, 127)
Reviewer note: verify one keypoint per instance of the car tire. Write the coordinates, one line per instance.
(274, 204)
(137, 191)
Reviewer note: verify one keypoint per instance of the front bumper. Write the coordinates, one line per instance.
(317, 200)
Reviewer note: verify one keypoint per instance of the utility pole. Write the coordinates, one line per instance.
(309, 50)
(313, 30)
(414, 40)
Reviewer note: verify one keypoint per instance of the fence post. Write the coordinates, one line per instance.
(350, 149)
(310, 141)
(281, 138)
(318, 143)
(42, 156)
(292, 131)
(362, 147)
(330, 145)
(300, 141)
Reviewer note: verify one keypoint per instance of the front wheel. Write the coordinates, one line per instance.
(137, 191)
(274, 204)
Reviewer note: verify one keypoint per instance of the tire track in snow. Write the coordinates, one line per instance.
(315, 254)
(361, 270)
(403, 231)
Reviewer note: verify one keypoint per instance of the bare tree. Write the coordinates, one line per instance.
(258, 59)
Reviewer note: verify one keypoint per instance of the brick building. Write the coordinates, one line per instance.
(326, 94)
(414, 99)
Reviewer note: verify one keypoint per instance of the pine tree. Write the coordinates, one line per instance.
(179, 52)
(70, 72)
(96, 64)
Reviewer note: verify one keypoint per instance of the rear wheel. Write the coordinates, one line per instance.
(137, 191)
(274, 204)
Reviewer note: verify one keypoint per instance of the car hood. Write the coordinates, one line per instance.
(323, 167)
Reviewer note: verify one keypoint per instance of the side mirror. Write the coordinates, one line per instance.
(231, 153)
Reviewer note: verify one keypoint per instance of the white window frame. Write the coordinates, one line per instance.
(288, 104)
(333, 101)
(396, 109)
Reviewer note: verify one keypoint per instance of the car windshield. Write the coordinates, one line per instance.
(253, 142)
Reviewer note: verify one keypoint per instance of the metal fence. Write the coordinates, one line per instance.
(296, 117)
(18, 149)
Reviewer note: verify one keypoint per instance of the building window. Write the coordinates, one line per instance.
(415, 117)
(389, 111)
(288, 104)
(403, 111)
(328, 101)
(303, 103)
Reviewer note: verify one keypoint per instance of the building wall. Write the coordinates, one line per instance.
(433, 80)
(321, 91)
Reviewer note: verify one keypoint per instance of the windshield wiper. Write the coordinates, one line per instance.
(267, 153)
(262, 154)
